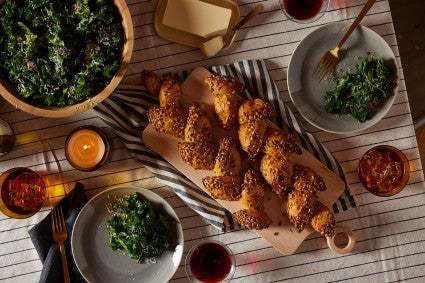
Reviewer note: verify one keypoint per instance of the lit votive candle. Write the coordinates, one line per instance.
(87, 148)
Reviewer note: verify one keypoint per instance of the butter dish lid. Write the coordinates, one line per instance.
(164, 26)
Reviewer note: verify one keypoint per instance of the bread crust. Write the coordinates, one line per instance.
(225, 90)
(223, 187)
(253, 110)
(167, 120)
(198, 125)
(228, 160)
(198, 155)
(252, 219)
(277, 171)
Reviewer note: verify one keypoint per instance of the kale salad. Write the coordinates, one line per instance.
(360, 94)
(138, 228)
(58, 53)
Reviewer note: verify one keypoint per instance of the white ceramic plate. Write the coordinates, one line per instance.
(307, 94)
(94, 256)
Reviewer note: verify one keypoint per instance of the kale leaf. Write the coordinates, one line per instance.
(138, 228)
(361, 93)
(59, 53)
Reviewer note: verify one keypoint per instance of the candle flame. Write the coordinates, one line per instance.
(86, 146)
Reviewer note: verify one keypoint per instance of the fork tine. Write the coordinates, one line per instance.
(320, 70)
(324, 71)
(54, 219)
(57, 219)
(324, 67)
(62, 220)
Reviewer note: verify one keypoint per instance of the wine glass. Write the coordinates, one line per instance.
(210, 262)
(304, 11)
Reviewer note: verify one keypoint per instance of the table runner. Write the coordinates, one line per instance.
(125, 112)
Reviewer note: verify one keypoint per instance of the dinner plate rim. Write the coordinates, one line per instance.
(335, 117)
(145, 192)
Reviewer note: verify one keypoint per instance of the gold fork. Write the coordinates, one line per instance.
(60, 235)
(330, 58)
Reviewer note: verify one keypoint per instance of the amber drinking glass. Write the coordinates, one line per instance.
(384, 170)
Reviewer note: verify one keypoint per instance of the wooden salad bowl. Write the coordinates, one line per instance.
(8, 92)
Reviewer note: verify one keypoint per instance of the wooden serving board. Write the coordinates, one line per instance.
(280, 233)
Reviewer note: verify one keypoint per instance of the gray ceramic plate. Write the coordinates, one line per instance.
(307, 94)
(94, 256)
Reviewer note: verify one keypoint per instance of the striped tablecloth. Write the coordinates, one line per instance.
(389, 231)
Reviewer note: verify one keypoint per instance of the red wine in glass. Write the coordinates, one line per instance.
(210, 262)
(302, 9)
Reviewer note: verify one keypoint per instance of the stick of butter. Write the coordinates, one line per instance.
(197, 17)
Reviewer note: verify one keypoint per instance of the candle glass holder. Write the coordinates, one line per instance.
(22, 192)
(88, 148)
(210, 262)
(7, 138)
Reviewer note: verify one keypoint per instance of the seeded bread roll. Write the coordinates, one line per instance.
(279, 142)
(323, 220)
(252, 219)
(198, 155)
(253, 191)
(225, 90)
(198, 126)
(256, 109)
(251, 136)
(167, 120)
(301, 208)
(277, 171)
(151, 81)
(304, 178)
(223, 187)
(170, 93)
(228, 160)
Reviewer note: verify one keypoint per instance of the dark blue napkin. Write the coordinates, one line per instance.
(48, 250)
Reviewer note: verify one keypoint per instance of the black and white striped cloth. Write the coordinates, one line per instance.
(125, 112)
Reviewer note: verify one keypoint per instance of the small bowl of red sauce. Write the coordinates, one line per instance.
(210, 262)
(384, 170)
(22, 192)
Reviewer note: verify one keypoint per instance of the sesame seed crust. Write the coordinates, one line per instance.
(323, 220)
(251, 136)
(304, 178)
(198, 155)
(277, 171)
(253, 110)
(300, 208)
(167, 120)
(170, 93)
(278, 142)
(228, 160)
(198, 126)
(225, 90)
(253, 191)
(252, 219)
(223, 187)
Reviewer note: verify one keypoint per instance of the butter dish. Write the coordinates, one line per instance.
(184, 21)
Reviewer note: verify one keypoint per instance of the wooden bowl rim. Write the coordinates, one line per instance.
(56, 112)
